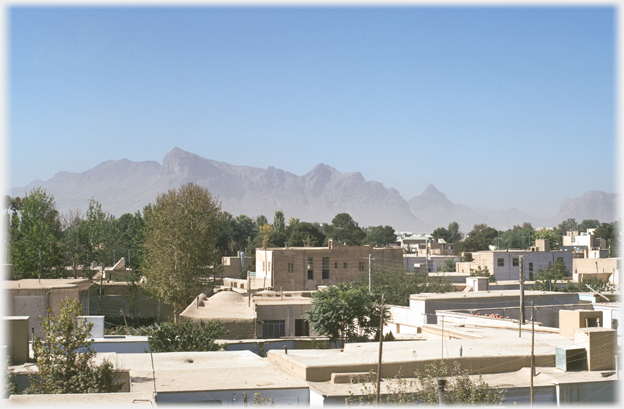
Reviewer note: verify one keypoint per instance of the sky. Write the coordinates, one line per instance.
(496, 106)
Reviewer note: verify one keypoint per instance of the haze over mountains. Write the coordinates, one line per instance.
(125, 186)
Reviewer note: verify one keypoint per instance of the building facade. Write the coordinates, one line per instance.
(505, 264)
(307, 268)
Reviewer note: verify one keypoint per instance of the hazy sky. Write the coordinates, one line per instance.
(496, 106)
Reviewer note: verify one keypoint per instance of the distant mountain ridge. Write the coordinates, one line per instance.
(124, 186)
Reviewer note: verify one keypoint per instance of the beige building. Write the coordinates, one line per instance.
(32, 297)
(606, 269)
(505, 264)
(265, 314)
(306, 268)
(232, 266)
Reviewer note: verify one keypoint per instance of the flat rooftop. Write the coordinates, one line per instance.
(545, 376)
(86, 399)
(485, 294)
(202, 371)
(487, 349)
(45, 283)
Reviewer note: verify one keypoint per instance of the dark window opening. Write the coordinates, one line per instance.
(310, 268)
(302, 328)
(273, 329)
(325, 268)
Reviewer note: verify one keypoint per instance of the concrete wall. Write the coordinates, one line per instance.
(288, 313)
(17, 336)
(121, 344)
(612, 315)
(603, 268)
(231, 266)
(288, 267)
(508, 271)
(112, 304)
(601, 346)
(475, 365)
(570, 320)
(33, 303)
(281, 397)
(589, 392)
(545, 316)
(423, 311)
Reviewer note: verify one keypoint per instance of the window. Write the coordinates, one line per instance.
(530, 276)
(344, 265)
(291, 267)
(310, 268)
(273, 328)
(515, 261)
(302, 328)
(325, 268)
(530, 266)
(361, 266)
(335, 265)
(501, 262)
(559, 259)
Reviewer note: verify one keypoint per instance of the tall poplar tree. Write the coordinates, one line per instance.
(35, 237)
(180, 236)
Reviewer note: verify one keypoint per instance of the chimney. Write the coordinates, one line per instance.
(330, 243)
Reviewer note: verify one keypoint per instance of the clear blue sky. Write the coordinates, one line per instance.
(499, 107)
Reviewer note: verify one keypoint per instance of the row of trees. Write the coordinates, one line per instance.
(242, 233)
(481, 237)
(42, 242)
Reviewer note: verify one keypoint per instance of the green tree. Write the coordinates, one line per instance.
(380, 236)
(265, 232)
(10, 386)
(73, 247)
(568, 225)
(187, 336)
(554, 237)
(588, 224)
(345, 229)
(609, 232)
(65, 356)
(441, 233)
(482, 272)
(588, 284)
(449, 266)
(261, 221)
(180, 235)
(546, 279)
(293, 221)
(35, 246)
(519, 237)
(478, 239)
(279, 221)
(398, 284)
(454, 234)
(340, 310)
(304, 234)
(460, 388)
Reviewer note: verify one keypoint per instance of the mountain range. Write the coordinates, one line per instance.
(124, 186)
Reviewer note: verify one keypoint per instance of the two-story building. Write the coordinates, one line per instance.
(505, 264)
(306, 268)
(586, 243)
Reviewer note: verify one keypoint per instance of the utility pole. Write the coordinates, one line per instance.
(370, 273)
(378, 394)
(532, 349)
(521, 296)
